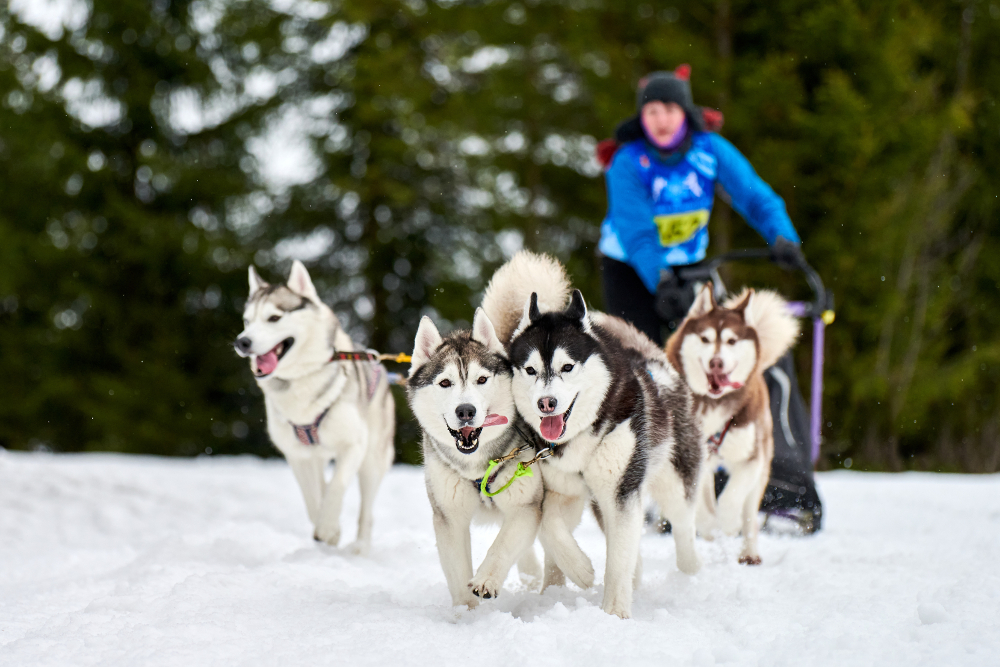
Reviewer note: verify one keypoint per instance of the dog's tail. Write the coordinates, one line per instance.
(768, 313)
(511, 287)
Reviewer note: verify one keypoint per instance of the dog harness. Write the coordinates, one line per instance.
(715, 441)
(309, 434)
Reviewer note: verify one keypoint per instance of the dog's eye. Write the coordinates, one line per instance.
(567, 368)
(274, 318)
(529, 370)
(482, 380)
(704, 340)
(731, 341)
(444, 383)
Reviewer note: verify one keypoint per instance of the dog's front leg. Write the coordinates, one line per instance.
(308, 473)
(517, 533)
(328, 528)
(454, 545)
(622, 528)
(560, 515)
(751, 506)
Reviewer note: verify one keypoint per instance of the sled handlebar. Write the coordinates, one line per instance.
(820, 306)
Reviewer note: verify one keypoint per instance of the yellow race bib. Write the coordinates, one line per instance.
(680, 227)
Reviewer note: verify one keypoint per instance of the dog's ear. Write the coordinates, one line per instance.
(746, 306)
(256, 283)
(300, 282)
(577, 309)
(425, 344)
(483, 332)
(704, 303)
(531, 314)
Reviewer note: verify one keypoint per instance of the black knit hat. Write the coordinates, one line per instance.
(662, 87)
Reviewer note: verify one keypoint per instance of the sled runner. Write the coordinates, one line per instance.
(791, 500)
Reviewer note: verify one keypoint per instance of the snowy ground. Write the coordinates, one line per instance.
(113, 560)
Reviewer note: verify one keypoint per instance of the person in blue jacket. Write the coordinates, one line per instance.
(661, 186)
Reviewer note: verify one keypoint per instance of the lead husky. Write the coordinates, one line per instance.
(722, 352)
(619, 417)
(459, 390)
(318, 409)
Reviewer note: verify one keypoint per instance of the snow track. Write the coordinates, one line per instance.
(117, 560)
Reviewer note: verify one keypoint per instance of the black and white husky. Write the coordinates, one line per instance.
(318, 409)
(619, 418)
(459, 390)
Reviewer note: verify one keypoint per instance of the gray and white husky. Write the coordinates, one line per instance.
(722, 351)
(318, 410)
(459, 390)
(619, 417)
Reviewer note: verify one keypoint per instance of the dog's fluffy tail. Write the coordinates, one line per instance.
(776, 327)
(511, 287)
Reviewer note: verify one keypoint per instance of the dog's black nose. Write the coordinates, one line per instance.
(243, 344)
(547, 404)
(466, 412)
(715, 364)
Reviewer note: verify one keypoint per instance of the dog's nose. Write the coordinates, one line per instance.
(547, 404)
(715, 365)
(466, 412)
(243, 344)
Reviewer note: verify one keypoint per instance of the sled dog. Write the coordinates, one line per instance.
(620, 423)
(459, 390)
(722, 352)
(319, 409)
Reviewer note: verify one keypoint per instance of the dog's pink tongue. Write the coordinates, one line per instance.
(266, 363)
(552, 427)
(466, 431)
(494, 420)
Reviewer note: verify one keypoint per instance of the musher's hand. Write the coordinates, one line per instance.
(787, 254)
(673, 297)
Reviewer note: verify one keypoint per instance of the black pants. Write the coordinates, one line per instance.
(626, 296)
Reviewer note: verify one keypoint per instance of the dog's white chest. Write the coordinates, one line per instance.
(738, 445)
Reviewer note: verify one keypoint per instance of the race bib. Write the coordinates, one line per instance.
(680, 227)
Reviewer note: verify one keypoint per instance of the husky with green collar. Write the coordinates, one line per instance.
(459, 388)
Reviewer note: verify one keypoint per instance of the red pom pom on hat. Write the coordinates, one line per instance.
(683, 72)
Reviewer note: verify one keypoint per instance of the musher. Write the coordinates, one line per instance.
(661, 174)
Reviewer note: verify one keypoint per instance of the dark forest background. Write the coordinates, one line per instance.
(150, 151)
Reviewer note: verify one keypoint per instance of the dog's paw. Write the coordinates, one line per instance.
(688, 564)
(617, 608)
(750, 559)
(580, 571)
(485, 587)
(358, 548)
(327, 534)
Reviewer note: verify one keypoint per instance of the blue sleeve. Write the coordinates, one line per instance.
(630, 212)
(751, 197)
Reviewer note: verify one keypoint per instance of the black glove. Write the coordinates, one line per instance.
(787, 254)
(673, 297)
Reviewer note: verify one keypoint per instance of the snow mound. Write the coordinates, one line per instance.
(115, 560)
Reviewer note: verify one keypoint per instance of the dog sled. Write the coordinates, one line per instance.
(791, 502)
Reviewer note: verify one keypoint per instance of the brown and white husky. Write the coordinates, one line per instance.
(722, 352)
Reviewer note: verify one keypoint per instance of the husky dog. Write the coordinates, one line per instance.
(722, 352)
(459, 390)
(619, 419)
(318, 409)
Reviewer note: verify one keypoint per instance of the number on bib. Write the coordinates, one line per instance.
(680, 227)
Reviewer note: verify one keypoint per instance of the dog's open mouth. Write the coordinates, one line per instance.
(467, 437)
(552, 428)
(265, 364)
(719, 381)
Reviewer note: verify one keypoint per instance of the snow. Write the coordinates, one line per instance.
(114, 560)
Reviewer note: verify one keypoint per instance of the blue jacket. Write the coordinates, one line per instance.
(658, 213)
